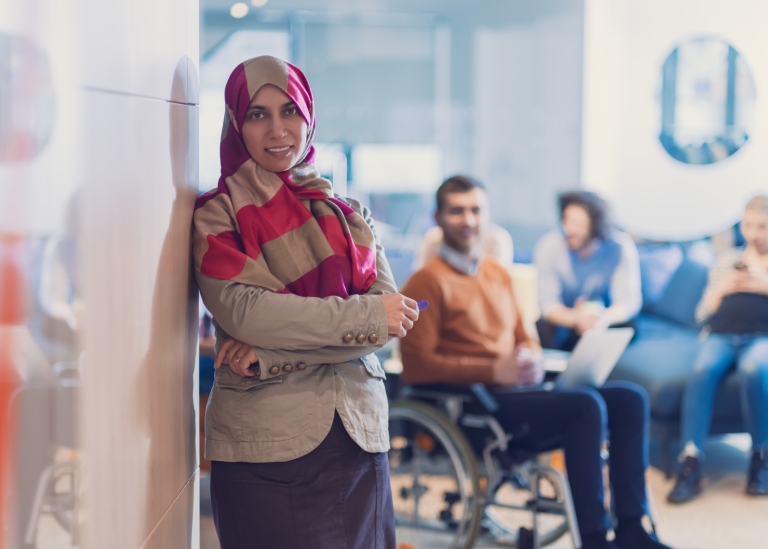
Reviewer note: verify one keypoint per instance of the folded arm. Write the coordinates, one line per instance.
(286, 329)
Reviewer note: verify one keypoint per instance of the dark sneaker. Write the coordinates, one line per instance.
(596, 540)
(637, 538)
(688, 483)
(757, 478)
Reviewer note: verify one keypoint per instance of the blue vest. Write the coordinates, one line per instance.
(591, 276)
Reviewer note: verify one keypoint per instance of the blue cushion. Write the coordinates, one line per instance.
(658, 263)
(663, 368)
(681, 296)
(661, 359)
(661, 365)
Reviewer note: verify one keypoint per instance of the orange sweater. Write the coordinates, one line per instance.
(470, 321)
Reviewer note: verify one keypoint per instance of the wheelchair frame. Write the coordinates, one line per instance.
(446, 414)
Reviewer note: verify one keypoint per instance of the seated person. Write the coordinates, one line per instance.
(495, 242)
(734, 308)
(471, 332)
(588, 273)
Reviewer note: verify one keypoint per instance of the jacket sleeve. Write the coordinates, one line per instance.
(283, 328)
(300, 358)
(268, 320)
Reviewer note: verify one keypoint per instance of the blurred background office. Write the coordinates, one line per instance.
(110, 118)
(409, 92)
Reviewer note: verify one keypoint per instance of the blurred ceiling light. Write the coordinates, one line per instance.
(259, 3)
(239, 10)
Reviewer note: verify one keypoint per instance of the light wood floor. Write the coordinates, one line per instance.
(723, 517)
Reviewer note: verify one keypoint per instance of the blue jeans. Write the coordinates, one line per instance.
(719, 355)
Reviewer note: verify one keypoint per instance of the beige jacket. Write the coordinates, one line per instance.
(315, 357)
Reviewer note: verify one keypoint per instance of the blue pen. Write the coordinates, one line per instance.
(423, 304)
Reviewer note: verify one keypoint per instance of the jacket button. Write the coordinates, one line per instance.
(373, 338)
(347, 337)
(288, 368)
(301, 366)
(274, 370)
(360, 338)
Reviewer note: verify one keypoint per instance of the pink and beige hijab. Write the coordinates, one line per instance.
(285, 232)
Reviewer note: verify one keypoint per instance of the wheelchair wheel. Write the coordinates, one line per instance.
(433, 477)
(511, 503)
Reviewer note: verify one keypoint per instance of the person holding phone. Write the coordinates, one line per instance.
(734, 308)
(301, 295)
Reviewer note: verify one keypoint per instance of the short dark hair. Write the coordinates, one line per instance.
(596, 207)
(455, 184)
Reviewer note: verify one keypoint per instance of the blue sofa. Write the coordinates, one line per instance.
(662, 355)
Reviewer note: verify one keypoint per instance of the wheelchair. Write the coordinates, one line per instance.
(58, 486)
(455, 484)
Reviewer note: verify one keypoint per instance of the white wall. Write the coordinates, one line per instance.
(527, 113)
(123, 160)
(653, 194)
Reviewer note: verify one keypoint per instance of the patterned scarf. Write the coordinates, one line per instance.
(285, 232)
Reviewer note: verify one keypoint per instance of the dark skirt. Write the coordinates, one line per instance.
(336, 497)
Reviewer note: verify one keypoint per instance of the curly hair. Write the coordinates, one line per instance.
(596, 207)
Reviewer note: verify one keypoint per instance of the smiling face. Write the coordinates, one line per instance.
(274, 131)
(461, 218)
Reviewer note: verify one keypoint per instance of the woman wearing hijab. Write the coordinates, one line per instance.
(301, 295)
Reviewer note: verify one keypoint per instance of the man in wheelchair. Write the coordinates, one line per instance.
(472, 333)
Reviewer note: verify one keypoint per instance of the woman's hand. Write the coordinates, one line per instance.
(401, 311)
(238, 355)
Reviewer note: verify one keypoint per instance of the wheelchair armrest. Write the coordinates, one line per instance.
(484, 396)
(442, 392)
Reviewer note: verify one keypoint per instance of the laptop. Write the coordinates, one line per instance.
(591, 361)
